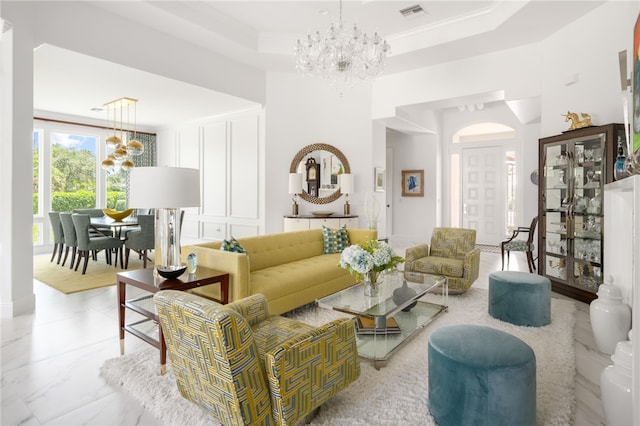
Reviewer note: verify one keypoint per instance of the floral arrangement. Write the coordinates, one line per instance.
(369, 259)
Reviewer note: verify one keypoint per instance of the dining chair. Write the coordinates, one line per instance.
(88, 244)
(70, 238)
(140, 240)
(58, 236)
(518, 244)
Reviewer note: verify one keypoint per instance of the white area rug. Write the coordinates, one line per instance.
(396, 394)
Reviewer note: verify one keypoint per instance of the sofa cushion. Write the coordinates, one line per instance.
(232, 245)
(335, 240)
(439, 266)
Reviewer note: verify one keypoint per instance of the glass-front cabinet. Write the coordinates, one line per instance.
(574, 167)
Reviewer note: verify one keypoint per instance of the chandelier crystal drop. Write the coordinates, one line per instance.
(342, 54)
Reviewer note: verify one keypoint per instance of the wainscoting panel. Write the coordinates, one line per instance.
(244, 167)
(214, 170)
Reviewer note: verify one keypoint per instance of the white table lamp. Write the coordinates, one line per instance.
(346, 187)
(295, 188)
(165, 189)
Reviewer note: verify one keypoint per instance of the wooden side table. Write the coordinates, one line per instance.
(149, 280)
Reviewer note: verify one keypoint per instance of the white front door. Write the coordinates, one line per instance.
(482, 200)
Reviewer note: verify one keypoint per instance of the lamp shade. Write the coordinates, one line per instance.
(346, 183)
(164, 187)
(295, 183)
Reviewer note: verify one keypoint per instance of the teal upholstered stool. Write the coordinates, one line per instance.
(481, 376)
(520, 298)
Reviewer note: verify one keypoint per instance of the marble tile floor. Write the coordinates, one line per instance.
(50, 360)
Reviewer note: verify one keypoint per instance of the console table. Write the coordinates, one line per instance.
(148, 280)
(303, 223)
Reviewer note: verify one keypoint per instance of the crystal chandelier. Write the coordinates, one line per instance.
(120, 147)
(341, 54)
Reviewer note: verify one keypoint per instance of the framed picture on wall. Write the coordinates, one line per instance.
(413, 183)
(378, 179)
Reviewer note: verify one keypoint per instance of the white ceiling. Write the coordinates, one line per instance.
(262, 34)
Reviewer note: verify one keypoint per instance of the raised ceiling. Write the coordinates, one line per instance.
(262, 34)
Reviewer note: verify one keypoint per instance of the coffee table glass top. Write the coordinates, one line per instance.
(409, 314)
(353, 301)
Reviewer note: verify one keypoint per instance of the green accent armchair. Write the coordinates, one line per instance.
(453, 254)
(244, 366)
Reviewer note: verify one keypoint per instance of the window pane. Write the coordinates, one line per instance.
(73, 171)
(117, 190)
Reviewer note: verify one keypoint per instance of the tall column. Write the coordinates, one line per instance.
(16, 159)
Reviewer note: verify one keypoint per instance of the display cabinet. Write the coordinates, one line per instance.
(574, 167)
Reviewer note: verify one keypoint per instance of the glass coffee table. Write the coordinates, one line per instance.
(384, 323)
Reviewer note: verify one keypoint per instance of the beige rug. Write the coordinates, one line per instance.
(66, 280)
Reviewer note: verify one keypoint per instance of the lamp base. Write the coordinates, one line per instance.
(347, 209)
(294, 210)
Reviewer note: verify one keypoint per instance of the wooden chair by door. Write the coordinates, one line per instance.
(518, 244)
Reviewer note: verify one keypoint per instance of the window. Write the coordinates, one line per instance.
(37, 184)
(73, 171)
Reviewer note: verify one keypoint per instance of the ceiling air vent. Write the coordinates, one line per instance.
(413, 11)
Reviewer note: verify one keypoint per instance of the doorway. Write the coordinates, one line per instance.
(482, 193)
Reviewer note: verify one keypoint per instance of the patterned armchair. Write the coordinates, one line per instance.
(453, 254)
(245, 367)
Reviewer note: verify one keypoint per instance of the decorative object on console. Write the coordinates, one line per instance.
(344, 53)
(117, 215)
(576, 122)
(166, 189)
(346, 187)
(295, 188)
(610, 317)
(413, 183)
(371, 210)
(120, 157)
(367, 261)
(616, 385)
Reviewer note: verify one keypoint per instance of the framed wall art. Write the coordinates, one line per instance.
(413, 183)
(378, 179)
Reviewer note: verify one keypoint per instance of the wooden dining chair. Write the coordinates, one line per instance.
(518, 244)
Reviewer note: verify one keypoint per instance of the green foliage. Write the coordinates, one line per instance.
(72, 170)
(68, 201)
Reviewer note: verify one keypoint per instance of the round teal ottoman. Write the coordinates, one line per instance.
(520, 298)
(481, 376)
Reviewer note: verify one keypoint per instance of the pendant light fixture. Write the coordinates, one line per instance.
(121, 148)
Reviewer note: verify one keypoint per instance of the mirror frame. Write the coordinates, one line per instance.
(319, 147)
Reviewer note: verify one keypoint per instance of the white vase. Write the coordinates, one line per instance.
(610, 318)
(615, 386)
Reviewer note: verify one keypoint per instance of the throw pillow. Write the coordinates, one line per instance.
(232, 245)
(335, 240)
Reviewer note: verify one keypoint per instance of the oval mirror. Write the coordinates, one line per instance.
(321, 165)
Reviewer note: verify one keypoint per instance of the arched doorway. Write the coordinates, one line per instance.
(483, 180)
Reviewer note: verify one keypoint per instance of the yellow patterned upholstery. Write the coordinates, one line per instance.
(453, 254)
(244, 366)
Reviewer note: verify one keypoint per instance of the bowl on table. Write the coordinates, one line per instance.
(117, 215)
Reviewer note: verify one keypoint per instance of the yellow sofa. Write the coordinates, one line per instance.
(288, 268)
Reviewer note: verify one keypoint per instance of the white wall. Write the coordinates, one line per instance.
(301, 111)
(588, 47)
